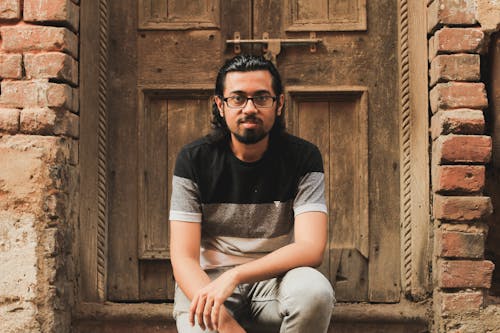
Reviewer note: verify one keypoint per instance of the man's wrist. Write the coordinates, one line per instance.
(235, 275)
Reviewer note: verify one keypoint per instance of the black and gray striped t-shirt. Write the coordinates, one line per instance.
(246, 209)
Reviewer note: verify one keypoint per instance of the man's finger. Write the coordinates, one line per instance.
(215, 314)
(199, 311)
(207, 313)
(192, 309)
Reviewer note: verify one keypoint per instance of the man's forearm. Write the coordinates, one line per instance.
(277, 262)
(189, 276)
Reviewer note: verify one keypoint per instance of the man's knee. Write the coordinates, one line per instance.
(306, 287)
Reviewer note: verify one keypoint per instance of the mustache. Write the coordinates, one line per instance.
(250, 118)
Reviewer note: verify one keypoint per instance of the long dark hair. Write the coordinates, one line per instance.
(245, 63)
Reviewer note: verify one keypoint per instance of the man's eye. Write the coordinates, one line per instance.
(238, 99)
(261, 99)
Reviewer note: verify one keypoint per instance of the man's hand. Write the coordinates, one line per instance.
(207, 304)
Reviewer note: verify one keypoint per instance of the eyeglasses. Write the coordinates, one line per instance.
(240, 101)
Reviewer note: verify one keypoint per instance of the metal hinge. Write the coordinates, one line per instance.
(271, 47)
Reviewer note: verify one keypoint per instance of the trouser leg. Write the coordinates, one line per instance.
(299, 302)
(235, 305)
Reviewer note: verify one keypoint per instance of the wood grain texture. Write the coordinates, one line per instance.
(123, 271)
(153, 192)
(87, 236)
(326, 15)
(414, 146)
(178, 14)
(337, 122)
(357, 133)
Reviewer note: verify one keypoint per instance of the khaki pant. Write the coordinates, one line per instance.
(301, 301)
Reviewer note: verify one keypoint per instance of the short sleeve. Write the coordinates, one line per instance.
(185, 200)
(310, 195)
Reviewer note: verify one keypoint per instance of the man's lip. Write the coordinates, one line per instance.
(250, 121)
(249, 124)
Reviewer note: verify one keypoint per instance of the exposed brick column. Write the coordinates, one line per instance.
(39, 130)
(460, 151)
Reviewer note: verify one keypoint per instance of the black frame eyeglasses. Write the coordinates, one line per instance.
(240, 101)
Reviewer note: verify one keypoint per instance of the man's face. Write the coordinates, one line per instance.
(251, 123)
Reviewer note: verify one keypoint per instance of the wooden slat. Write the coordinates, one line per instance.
(265, 19)
(313, 125)
(414, 145)
(153, 209)
(123, 278)
(237, 17)
(350, 176)
(88, 151)
(349, 231)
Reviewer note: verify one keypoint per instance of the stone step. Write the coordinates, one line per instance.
(157, 318)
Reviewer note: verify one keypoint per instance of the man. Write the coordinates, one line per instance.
(248, 215)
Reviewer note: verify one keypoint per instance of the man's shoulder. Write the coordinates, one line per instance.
(302, 154)
(202, 144)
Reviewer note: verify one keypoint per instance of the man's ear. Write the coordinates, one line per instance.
(281, 102)
(220, 104)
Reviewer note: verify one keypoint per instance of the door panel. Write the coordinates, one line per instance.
(343, 97)
(337, 122)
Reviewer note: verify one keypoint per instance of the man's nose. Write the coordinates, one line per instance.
(250, 107)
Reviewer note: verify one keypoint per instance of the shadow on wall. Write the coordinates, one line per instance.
(492, 72)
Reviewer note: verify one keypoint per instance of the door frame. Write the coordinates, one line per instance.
(416, 253)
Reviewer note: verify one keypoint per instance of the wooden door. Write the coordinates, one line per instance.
(343, 97)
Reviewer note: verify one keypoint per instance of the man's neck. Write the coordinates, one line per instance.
(249, 152)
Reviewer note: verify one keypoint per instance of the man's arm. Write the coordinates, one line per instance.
(310, 233)
(185, 238)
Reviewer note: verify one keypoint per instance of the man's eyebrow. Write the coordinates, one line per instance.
(258, 92)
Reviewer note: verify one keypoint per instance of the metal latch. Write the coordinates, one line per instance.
(271, 47)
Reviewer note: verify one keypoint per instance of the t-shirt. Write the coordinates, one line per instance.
(246, 210)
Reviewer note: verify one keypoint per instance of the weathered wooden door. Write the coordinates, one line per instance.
(164, 55)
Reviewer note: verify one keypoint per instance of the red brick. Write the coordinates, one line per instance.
(457, 95)
(460, 302)
(52, 65)
(10, 66)
(455, 67)
(456, 40)
(46, 121)
(451, 12)
(458, 121)
(38, 93)
(466, 227)
(10, 10)
(454, 244)
(9, 120)
(452, 179)
(464, 273)
(461, 208)
(26, 38)
(59, 11)
(449, 149)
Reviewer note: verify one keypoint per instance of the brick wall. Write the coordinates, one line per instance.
(460, 151)
(38, 166)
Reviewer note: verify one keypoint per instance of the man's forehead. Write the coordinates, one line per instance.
(259, 79)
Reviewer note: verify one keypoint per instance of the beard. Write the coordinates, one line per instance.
(251, 135)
